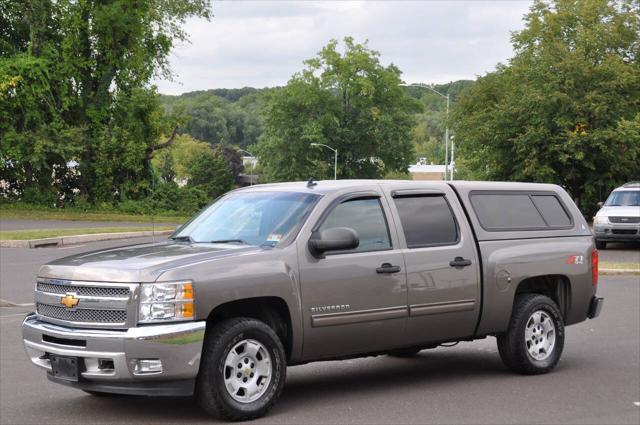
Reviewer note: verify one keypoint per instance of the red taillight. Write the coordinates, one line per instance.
(594, 267)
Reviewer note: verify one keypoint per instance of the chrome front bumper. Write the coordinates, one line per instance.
(178, 346)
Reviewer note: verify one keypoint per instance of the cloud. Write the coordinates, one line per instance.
(262, 43)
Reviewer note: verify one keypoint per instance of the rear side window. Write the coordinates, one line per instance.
(551, 210)
(519, 211)
(426, 221)
(365, 216)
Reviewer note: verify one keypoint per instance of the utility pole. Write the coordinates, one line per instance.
(453, 150)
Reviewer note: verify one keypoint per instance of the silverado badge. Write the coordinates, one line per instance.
(69, 301)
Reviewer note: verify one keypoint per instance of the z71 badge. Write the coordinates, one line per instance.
(575, 259)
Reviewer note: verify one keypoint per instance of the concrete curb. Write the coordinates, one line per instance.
(78, 239)
(619, 271)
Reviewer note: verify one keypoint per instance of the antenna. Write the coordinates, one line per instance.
(311, 182)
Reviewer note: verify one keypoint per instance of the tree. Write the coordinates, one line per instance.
(566, 109)
(211, 173)
(79, 80)
(230, 116)
(348, 101)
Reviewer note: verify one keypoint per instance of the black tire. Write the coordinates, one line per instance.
(404, 352)
(601, 244)
(211, 392)
(512, 345)
(102, 394)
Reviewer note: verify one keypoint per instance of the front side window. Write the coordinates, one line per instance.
(365, 216)
(426, 221)
(252, 218)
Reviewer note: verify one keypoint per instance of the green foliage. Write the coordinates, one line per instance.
(348, 101)
(428, 135)
(230, 116)
(168, 197)
(211, 173)
(566, 109)
(177, 161)
(74, 89)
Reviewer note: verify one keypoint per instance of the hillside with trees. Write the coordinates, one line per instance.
(235, 117)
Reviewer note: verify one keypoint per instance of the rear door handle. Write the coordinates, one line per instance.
(460, 262)
(388, 268)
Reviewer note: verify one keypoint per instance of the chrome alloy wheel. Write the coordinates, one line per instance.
(247, 371)
(540, 335)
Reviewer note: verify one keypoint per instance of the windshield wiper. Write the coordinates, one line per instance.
(182, 239)
(230, 241)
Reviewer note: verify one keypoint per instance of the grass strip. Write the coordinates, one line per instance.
(52, 233)
(10, 212)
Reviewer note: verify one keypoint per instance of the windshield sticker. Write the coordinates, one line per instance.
(274, 237)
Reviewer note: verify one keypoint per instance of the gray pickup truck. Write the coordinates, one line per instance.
(283, 274)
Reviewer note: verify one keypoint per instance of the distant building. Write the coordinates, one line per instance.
(247, 177)
(427, 172)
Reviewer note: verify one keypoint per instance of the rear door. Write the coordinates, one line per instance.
(441, 262)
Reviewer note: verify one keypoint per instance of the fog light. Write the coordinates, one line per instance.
(105, 364)
(143, 366)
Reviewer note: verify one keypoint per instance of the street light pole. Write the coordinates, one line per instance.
(253, 164)
(453, 159)
(446, 132)
(335, 158)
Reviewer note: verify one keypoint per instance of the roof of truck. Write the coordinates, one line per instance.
(328, 186)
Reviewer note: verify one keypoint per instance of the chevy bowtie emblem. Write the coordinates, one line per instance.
(69, 301)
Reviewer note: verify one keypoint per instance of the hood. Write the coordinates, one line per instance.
(138, 263)
(619, 211)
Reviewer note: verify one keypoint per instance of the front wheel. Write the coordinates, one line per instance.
(242, 371)
(534, 341)
(601, 244)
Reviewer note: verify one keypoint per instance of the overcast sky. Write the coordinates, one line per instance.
(262, 43)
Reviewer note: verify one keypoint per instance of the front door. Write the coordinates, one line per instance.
(441, 263)
(354, 301)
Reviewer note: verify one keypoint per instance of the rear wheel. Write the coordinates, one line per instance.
(242, 371)
(601, 244)
(534, 341)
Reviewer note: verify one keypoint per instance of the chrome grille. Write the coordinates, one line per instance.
(88, 291)
(82, 314)
(109, 305)
(624, 220)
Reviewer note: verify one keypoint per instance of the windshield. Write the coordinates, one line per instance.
(252, 218)
(624, 198)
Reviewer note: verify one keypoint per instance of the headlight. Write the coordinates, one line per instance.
(600, 219)
(166, 302)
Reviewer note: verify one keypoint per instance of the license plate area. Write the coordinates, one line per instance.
(67, 368)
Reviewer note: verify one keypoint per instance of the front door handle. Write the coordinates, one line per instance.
(460, 262)
(388, 268)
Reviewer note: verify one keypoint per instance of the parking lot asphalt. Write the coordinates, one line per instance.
(621, 253)
(19, 266)
(597, 380)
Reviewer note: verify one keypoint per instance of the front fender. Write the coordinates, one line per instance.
(268, 273)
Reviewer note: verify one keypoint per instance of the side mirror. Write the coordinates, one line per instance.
(600, 204)
(333, 239)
